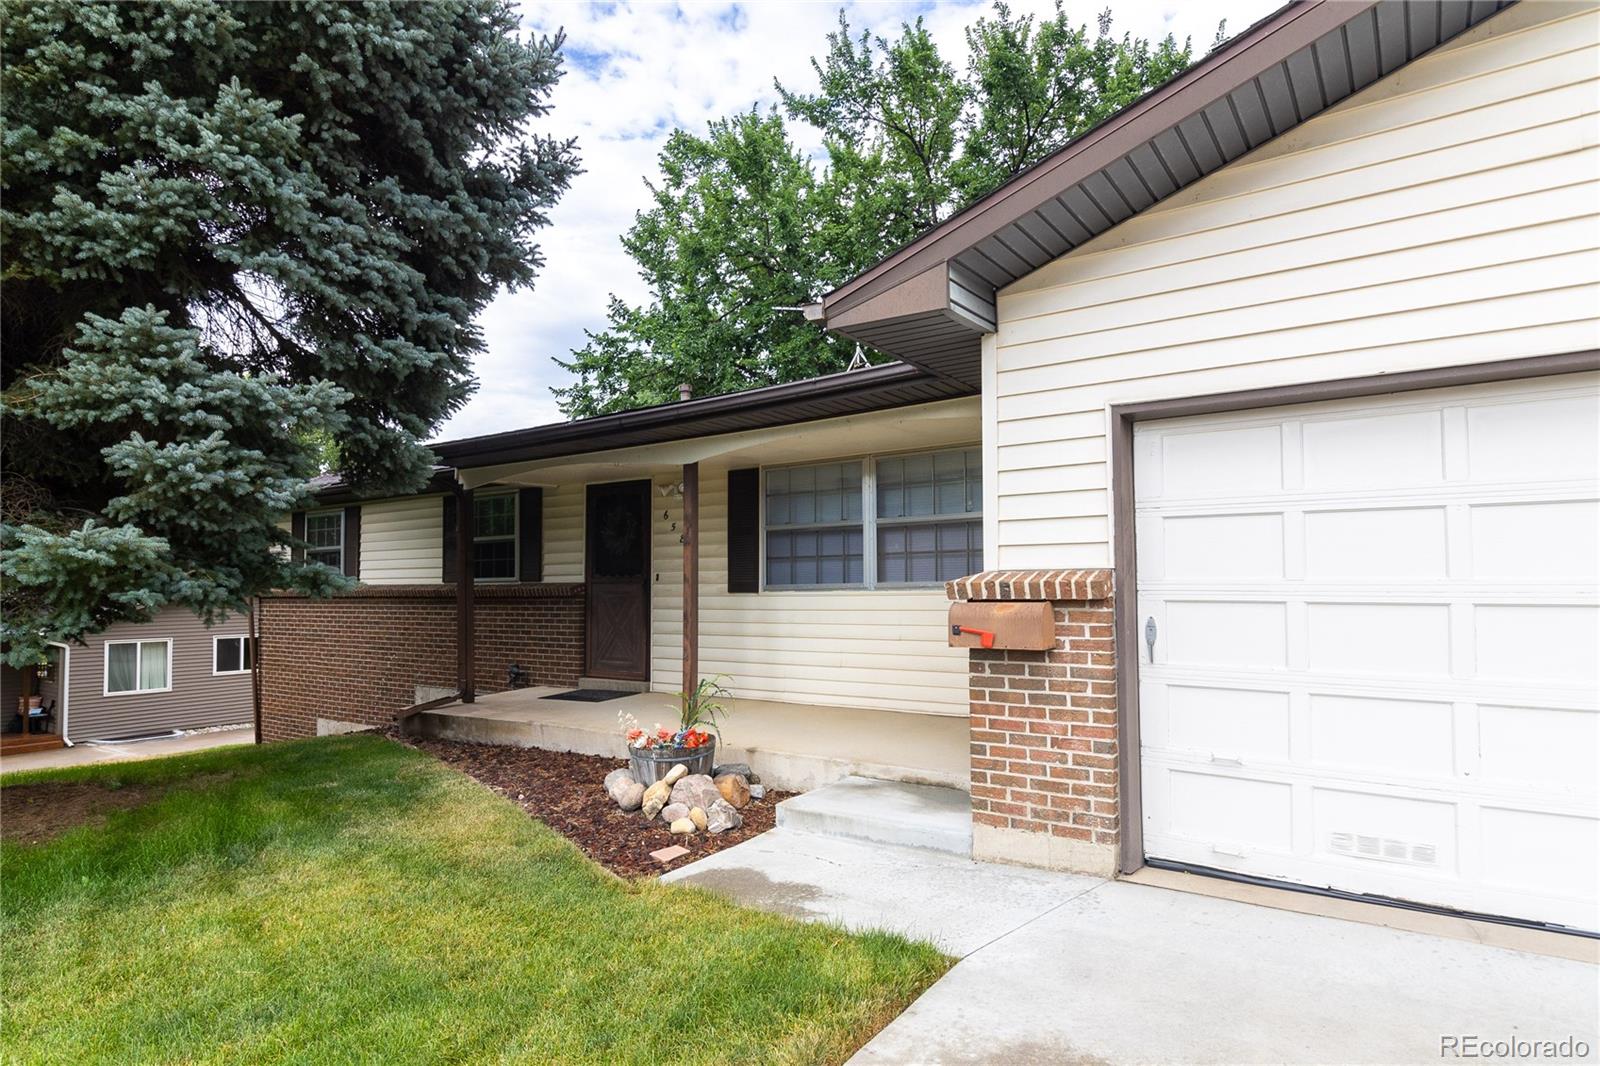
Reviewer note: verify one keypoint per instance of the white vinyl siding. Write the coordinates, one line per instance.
(563, 532)
(1448, 214)
(402, 541)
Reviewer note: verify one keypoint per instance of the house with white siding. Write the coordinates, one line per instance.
(1275, 398)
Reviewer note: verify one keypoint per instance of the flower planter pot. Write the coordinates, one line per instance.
(650, 765)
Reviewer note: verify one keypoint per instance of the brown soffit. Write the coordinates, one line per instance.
(1254, 51)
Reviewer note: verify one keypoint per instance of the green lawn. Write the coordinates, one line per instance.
(349, 899)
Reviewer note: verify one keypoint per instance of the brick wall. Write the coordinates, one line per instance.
(359, 657)
(1044, 728)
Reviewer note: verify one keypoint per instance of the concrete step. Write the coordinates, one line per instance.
(886, 812)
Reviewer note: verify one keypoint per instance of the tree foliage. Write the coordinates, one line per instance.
(743, 223)
(239, 238)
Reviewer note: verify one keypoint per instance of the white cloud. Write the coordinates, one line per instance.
(636, 71)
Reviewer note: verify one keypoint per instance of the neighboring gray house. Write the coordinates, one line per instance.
(173, 672)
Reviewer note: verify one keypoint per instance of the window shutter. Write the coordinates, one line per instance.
(744, 530)
(530, 534)
(297, 529)
(352, 541)
(448, 571)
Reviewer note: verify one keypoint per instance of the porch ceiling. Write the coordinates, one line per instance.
(933, 425)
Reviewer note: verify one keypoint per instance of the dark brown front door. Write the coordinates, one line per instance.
(617, 572)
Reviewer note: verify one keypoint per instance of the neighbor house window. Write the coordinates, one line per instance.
(230, 655)
(494, 537)
(138, 666)
(325, 538)
(930, 517)
(925, 524)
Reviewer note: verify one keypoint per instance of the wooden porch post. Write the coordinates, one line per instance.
(465, 679)
(691, 576)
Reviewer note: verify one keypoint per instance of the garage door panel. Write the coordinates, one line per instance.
(1390, 542)
(1375, 666)
(1373, 451)
(1539, 643)
(1408, 738)
(1565, 532)
(1379, 638)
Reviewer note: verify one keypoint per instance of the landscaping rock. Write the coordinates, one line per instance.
(655, 797)
(740, 768)
(734, 788)
(696, 790)
(624, 791)
(683, 827)
(675, 773)
(698, 817)
(757, 791)
(720, 817)
(673, 811)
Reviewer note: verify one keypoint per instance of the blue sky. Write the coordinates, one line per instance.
(636, 71)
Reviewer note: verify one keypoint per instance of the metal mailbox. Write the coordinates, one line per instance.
(1019, 626)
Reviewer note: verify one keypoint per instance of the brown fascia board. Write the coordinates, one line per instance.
(1254, 51)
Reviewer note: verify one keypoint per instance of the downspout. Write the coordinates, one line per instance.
(255, 663)
(66, 687)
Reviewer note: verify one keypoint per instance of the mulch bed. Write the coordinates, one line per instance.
(567, 792)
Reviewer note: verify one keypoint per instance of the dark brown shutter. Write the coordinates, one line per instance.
(297, 529)
(352, 541)
(530, 534)
(448, 572)
(744, 530)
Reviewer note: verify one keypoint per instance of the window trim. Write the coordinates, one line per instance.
(515, 537)
(338, 512)
(868, 524)
(138, 667)
(244, 642)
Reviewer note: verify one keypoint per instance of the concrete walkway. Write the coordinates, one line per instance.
(89, 752)
(1057, 968)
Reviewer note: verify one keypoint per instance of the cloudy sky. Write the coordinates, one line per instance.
(636, 71)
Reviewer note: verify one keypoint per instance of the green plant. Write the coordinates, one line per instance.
(705, 706)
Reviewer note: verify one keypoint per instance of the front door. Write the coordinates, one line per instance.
(617, 572)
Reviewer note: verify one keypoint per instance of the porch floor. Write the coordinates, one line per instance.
(792, 746)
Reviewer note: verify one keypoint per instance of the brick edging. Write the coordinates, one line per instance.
(1054, 585)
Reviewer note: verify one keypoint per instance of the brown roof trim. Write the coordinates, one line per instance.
(1246, 56)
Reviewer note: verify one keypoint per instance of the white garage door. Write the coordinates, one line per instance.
(1375, 645)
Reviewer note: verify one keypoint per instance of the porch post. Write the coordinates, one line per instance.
(691, 576)
(466, 682)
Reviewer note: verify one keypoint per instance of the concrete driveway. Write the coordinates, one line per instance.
(90, 752)
(1056, 968)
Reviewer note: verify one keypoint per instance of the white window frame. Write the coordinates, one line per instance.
(244, 639)
(339, 511)
(138, 666)
(869, 521)
(515, 538)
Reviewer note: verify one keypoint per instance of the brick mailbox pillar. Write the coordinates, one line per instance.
(1044, 727)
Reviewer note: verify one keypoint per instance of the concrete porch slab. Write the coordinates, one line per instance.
(1059, 968)
(889, 812)
(792, 746)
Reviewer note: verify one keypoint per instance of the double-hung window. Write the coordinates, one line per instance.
(230, 655)
(138, 666)
(875, 522)
(494, 537)
(325, 538)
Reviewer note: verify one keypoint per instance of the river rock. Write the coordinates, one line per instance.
(757, 791)
(734, 788)
(696, 790)
(698, 817)
(721, 817)
(673, 811)
(676, 772)
(740, 768)
(683, 827)
(624, 791)
(655, 797)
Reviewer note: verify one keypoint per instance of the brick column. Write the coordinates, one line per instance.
(1044, 728)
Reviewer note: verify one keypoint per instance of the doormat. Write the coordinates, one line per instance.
(589, 695)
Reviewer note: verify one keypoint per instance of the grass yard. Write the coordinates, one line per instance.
(349, 898)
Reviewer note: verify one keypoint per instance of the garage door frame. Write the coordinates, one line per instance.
(1123, 419)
